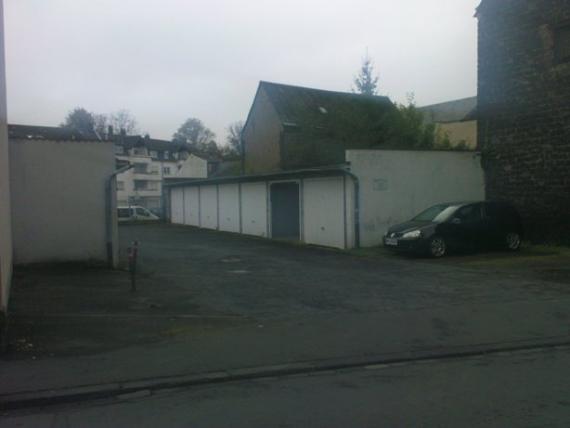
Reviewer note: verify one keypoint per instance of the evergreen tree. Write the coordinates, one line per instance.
(366, 82)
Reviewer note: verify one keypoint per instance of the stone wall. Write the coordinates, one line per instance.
(524, 112)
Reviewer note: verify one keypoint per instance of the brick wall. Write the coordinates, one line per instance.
(524, 112)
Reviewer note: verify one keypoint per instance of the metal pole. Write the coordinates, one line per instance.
(133, 251)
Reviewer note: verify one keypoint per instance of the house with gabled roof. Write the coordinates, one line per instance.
(290, 127)
(455, 121)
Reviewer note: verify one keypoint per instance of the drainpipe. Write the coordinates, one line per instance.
(109, 212)
(356, 207)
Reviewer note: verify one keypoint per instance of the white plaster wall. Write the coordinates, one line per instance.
(209, 207)
(254, 209)
(229, 207)
(191, 206)
(58, 199)
(396, 185)
(323, 211)
(5, 206)
(177, 205)
(193, 167)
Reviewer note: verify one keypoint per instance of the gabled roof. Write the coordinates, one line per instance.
(451, 111)
(304, 107)
(52, 133)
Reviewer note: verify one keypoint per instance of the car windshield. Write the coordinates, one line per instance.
(436, 214)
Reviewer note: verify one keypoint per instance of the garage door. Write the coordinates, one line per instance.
(324, 212)
(284, 199)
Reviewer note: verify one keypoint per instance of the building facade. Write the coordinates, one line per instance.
(524, 110)
(291, 127)
(5, 208)
(153, 161)
(454, 121)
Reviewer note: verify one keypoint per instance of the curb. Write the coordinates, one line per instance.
(145, 387)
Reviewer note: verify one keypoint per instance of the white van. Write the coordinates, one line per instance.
(135, 213)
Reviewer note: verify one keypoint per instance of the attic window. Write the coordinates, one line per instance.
(562, 44)
(323, 110)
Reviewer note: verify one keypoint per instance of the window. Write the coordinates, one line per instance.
(152, 185)
(142, 212)
(123, 213)
(469, 214)
(119, 150)
(140, 168)
(562, 44)
(140, 151)
(166, 170)
(140, 185)
(166, 154)
(120, 185)
(153, 154)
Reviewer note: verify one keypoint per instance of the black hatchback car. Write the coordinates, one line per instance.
(453, 226)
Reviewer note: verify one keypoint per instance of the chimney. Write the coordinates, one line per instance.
(110, 131)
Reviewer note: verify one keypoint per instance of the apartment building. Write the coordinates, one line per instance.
(152, 162)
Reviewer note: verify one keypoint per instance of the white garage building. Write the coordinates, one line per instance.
(343, 207)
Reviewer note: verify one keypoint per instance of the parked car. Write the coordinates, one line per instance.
(135, 213)
(453, 226)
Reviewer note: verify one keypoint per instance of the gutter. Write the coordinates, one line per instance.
(356, 207)
(109, 212)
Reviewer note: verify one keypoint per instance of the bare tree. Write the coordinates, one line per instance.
(101, 123)
(123, 120)
(234, 137)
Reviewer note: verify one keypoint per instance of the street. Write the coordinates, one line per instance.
(479, 339)
(520, 389)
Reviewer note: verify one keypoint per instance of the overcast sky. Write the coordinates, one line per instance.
(169, 60)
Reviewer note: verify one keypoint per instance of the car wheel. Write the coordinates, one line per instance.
(437, 247)
(513, 241)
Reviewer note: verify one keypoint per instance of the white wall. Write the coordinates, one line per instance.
(229, 207)
(58, 200)
(396, 185)
(191, 206)
(254, 208)
(5, 209)
(324, 211)
(192, 167)
(209, 207)
(177, 205)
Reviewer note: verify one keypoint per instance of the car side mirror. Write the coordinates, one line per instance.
(456, 220)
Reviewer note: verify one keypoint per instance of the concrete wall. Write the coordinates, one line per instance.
(5, 210)
(261, 137)
(58, 200)
(396, 185)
